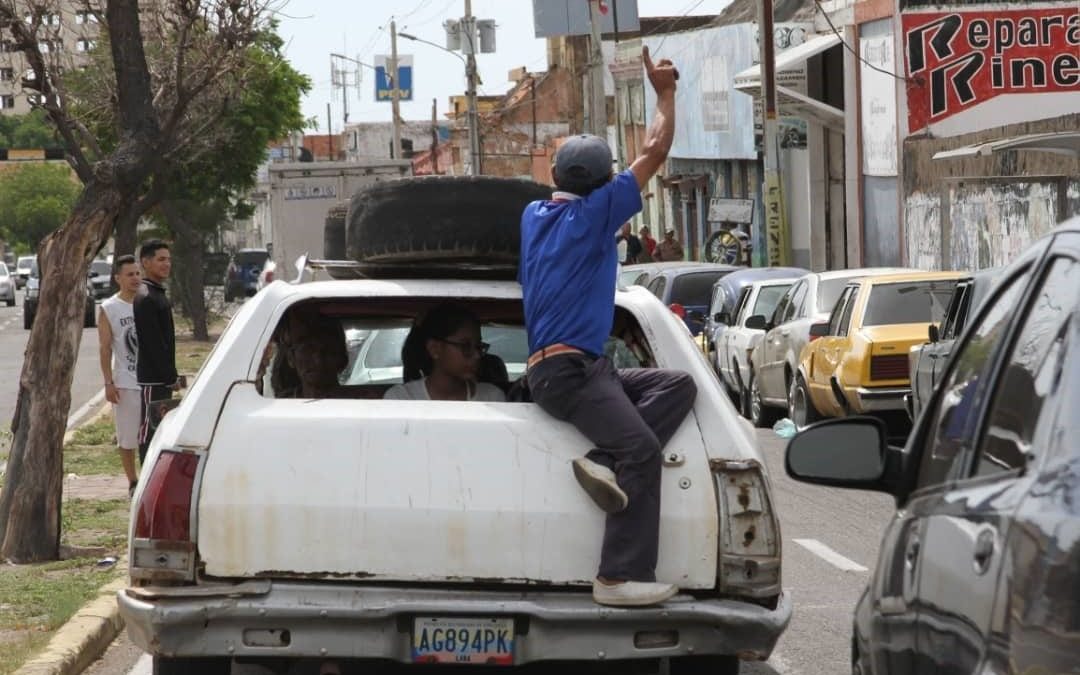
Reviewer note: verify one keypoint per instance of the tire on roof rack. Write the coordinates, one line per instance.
(440, 224)
(334, 231)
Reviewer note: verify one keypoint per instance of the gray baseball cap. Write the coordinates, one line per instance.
(583, 158)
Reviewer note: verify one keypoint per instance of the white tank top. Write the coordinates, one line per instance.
(125, 346)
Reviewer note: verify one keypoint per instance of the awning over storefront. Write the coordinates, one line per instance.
(791, 102)
(1058, 142)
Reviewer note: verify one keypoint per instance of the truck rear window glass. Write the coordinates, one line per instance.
(767, 299)
(828, 292)
(911, 302)
(695, 288)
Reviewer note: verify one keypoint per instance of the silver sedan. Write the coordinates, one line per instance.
(7, 286)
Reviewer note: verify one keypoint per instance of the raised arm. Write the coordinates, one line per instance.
(662, 130)
(105, 355)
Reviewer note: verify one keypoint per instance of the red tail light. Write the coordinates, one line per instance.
(678, 309)
(269, 276)
(889, 367)
(162, 541)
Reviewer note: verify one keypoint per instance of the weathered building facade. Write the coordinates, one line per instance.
(991, 115)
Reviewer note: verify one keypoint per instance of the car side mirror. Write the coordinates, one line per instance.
(934, 333)
(848, 452)
(818, 330)
(757, 322)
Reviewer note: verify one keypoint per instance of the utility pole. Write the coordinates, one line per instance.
(395, 92)
(434, 138)
(597, 102)
(776, 225)
(330, 132)
(468, 28)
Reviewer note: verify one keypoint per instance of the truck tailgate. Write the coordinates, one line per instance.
(425, 491)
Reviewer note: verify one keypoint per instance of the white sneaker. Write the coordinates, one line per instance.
(632, 593)
(599, 482)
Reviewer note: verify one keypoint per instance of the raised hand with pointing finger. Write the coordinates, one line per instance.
(662, 75)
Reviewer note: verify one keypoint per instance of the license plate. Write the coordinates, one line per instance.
(476, 641)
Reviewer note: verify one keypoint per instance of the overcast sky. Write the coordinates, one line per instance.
(313, 29)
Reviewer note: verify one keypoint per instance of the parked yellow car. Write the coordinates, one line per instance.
(857, 361)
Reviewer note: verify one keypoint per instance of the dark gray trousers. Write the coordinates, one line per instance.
(629, 415)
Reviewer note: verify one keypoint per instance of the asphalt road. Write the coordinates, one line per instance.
(87, 382)
(830, 540)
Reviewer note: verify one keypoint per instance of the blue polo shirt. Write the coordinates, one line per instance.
(569, 261)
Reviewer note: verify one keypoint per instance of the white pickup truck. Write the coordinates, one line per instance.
(290, 532)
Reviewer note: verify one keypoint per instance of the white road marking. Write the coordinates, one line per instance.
(87, 407)
(830, 556)
(144, 666)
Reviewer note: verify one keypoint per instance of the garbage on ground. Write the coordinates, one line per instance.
(106, 562)
(785, 428)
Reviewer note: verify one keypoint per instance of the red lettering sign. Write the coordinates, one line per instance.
(957, 60)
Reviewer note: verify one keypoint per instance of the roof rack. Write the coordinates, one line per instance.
(420, 268)
(344, 268)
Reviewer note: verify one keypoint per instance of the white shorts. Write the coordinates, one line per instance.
(128, 414)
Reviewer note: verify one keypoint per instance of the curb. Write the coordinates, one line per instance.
(85, 636)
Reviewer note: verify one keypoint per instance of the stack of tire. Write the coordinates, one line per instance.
(457, 225)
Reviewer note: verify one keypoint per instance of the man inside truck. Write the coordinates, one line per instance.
(568, 274)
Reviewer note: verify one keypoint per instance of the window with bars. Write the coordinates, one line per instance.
(7, 101)
(7, 74)
(85, 45)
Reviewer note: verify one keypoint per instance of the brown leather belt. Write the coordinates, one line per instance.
(552, 350)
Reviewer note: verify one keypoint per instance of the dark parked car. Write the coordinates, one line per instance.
(927, 362)
(979, 570)
(242, 275)
(687, 288)
(33, 292)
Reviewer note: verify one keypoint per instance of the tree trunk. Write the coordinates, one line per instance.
(31, 497)
(189, 245)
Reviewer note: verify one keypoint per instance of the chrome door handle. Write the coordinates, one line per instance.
(984, 551)
(911, 555)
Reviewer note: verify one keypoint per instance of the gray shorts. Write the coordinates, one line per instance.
(128, 416)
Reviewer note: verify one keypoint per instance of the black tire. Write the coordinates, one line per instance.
(11, 302)
(801, 408)
(27, 320)
(186, 666)
(704, 665)
(334, 231)
(441, 219)
(761, 415)
(744, 395)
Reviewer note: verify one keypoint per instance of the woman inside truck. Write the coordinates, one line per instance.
(441, 359)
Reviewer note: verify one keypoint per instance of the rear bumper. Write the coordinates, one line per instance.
(878, 399)
(375, 622)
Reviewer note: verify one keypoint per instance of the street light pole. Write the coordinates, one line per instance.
(597, 100)
(395, 92)
(469, 28)
(776, 226)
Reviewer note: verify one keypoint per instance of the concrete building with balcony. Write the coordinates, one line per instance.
(67, 37)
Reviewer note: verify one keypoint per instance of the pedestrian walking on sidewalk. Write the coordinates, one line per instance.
(119, 349)
(157, 338)
(567, 273)
(669, 249)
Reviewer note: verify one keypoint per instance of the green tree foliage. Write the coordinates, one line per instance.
(35, 199)
(27, 131)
